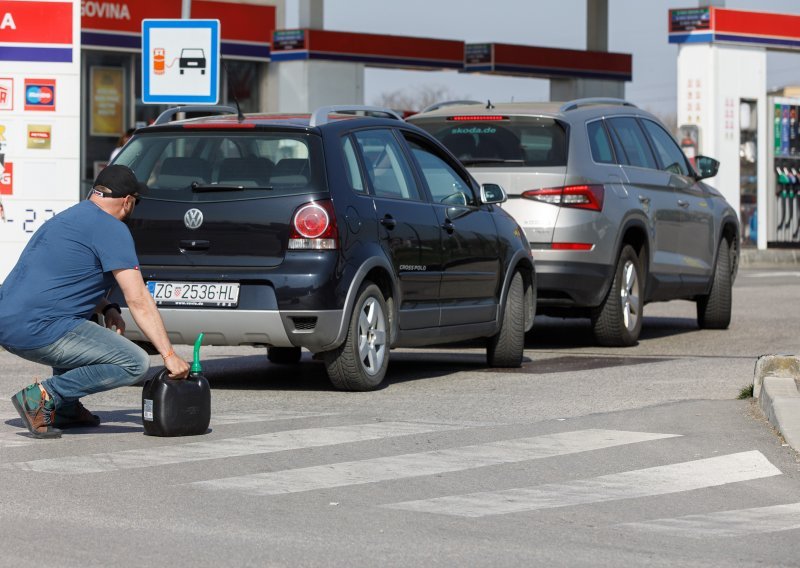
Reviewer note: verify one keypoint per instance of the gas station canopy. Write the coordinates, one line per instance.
(529, 61)
(376, 50)
(434, 54)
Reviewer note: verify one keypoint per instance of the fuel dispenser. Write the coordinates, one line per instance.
(690, 140)
(783, 173)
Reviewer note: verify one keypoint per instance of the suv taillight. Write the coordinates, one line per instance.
(578, 196)
(314, 227)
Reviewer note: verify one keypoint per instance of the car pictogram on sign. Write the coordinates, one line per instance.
(192, 58)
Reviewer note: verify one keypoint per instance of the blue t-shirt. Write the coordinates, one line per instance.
(62, 274)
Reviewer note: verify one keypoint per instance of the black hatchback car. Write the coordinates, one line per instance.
(347, 232)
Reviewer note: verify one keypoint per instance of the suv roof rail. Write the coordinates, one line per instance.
(167, 115)
(577, 103)
(439, 105)
(320, 116)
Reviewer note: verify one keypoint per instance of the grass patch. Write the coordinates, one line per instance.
(746, 392)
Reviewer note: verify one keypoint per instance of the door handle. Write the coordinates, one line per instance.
(683, 203)
(195, 245)
(389, 222)
(448, 226)
(644, 200)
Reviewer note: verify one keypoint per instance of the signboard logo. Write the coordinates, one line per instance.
(39, 136)
(6, 94)
(193, 219)
(40, 94)
(109, 10)
(7, 179)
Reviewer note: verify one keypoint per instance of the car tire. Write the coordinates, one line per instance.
(284, 355)
(618, 320)
(506, 348)
(360, 363)
(714, 310)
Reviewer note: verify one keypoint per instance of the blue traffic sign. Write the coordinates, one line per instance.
(180, 61)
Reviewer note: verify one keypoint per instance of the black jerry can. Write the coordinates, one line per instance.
(176, 407)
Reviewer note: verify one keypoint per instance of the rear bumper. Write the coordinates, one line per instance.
(563, 284)
(316, 331)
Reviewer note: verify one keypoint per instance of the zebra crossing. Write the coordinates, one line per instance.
(447, 459)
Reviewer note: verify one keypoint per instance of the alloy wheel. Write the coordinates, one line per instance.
(629, 295)
(371, 336)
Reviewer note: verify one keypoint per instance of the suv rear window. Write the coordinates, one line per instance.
(208, 166)
(512, 141)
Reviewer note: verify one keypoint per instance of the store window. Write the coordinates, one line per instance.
(105, 85)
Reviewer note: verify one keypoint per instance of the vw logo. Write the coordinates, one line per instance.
(193, 219)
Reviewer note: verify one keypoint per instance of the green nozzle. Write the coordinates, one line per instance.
(197, 368)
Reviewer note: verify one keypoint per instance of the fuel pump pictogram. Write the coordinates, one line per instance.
(158, 60)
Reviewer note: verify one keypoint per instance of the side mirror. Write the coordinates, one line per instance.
(492, 193)
(706, 167)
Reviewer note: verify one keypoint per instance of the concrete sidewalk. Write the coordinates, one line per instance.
(775, 385)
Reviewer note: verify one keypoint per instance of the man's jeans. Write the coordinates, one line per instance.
(86, 360)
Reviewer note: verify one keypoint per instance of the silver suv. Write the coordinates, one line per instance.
(615, 213)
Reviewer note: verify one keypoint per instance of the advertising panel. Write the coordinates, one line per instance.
(39, 118)
(107, 98)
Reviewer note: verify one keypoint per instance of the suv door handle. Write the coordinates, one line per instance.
(683, 203)
(448, 226)
(195, 245)
(389, 222)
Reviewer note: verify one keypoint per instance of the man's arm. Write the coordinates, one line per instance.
(145, 314)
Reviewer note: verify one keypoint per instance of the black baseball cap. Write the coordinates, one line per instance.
(121, 181)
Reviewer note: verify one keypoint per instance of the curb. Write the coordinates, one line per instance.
(769, 258)
(775, 385)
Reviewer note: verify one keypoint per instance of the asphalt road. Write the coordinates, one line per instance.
(585, 456)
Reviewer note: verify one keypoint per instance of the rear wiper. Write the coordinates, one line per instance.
(471, 161)
(223, 187)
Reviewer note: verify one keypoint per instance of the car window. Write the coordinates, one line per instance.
(351, 165)
(599, 143)
(276, 163)
(387, 169)
(444, 183)
(636, 151)
(669, 154)
(526, 141)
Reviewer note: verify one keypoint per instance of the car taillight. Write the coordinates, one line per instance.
(314, 227)
(578, 196)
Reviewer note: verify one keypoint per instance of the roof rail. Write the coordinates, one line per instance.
(320, 116)
(167, 115)
(436, 106)
(577, 103)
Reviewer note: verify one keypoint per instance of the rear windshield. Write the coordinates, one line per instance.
(210, 166)
(513, 141)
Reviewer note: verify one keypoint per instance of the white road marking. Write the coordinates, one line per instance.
(662, 480)
(426, 463)
(738, 523)
(13, 440)
(227, 448)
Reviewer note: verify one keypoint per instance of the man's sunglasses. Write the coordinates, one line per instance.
(101, 194)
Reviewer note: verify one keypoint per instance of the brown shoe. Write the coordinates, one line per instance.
(36, 412)
(75, 415)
